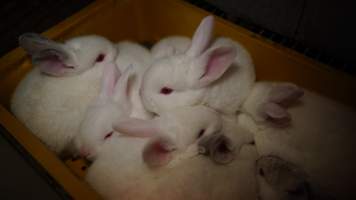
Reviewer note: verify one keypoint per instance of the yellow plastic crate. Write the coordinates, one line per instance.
(148, 21)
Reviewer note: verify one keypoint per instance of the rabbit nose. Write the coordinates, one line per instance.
(84, 152)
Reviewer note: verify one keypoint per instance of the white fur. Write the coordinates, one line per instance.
(320, 140)
(119, 172)
(227, 94)
(181, 72)
(53, 107)
(139, 58)
(101, 114)
(111, 105)
(77, 54)
(170, 45)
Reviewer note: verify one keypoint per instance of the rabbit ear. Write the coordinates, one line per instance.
(212, 65)
(123, 88)
(202, 37)
(281, 96)
(34, 44)
(158, 152)
(109, 79)
(137, 127)
(276, 114)
(285, 93)
(47, 54)
(218, 147)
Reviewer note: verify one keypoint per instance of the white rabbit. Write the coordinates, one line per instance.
(73, 57)
(220, 76)
(281, 180)
(169, 164)
(109, 107)
(139, 58)
(319, 137)
(170, 45)
(52, 98)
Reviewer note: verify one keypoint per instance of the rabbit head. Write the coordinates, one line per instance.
(170, 45)
(269, 102)
(178, 134)
(111, 105)
(181, 79)
(281, 180)
(69, 58)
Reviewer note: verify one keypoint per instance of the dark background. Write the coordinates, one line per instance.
(321, 29)
(18, 16)
(327, 25)
(21, 176)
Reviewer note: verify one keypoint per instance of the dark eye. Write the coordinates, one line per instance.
(100, 58)
(108, 135)
(261, 172)
(166, 90)
(201, 133)
(299, 191)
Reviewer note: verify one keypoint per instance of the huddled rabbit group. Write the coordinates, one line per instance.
(184, 120)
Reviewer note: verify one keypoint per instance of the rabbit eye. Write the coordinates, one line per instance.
(201, 133)
(166, 90)
(261, 172)
(108, 135)
(100, 58)
(299, 191)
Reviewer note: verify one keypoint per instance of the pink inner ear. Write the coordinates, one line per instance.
(157, 153)
(286, 94)
(52, 65)
(276, 114)
(219, 60)
(109, 79)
